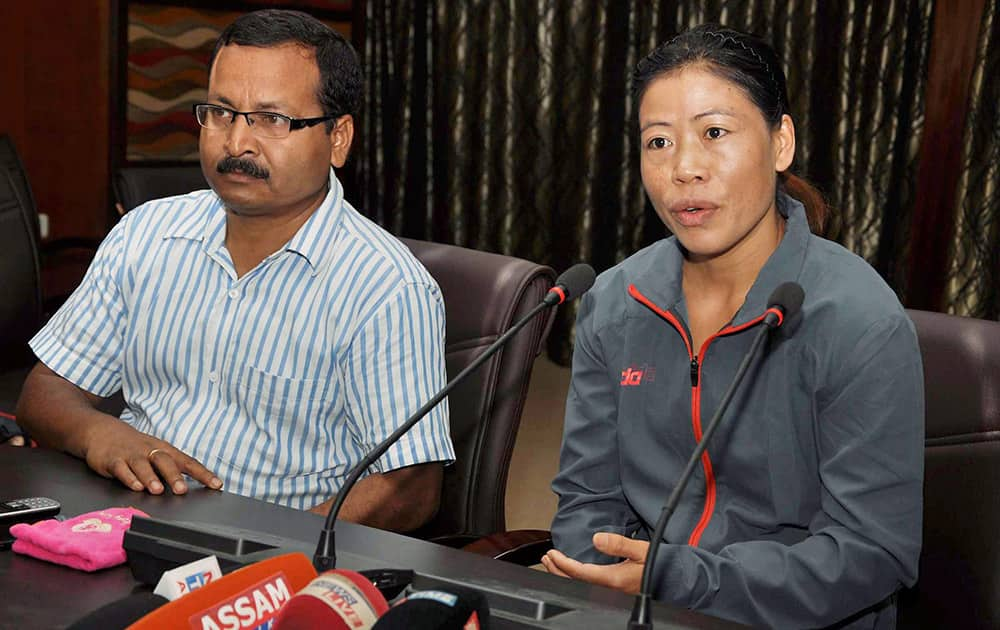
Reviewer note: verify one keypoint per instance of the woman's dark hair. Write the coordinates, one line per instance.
(339, 70)
(746, 61)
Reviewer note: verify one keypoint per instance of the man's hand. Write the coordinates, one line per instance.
(62, 416)
(140, 461)
(624, 576)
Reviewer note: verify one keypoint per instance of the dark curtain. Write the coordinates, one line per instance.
(974, 275)
(509, 127)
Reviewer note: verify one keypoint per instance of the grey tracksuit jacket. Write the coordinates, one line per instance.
(806, 509)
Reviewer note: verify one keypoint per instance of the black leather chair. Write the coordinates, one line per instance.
(959, 583)
(23, 309)
(484, 294)
(135, 185)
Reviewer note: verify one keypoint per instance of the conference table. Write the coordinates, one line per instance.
(38, 594)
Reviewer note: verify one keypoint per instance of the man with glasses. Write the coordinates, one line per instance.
(264, 334)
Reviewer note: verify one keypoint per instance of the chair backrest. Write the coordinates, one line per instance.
(483, 294)
(10, 162)
(135, 185)
(959, 583)
(21, 306)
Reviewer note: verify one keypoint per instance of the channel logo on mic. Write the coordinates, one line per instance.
(254, 607)
(194, 581)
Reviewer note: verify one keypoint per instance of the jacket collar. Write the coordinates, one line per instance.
(784, 265)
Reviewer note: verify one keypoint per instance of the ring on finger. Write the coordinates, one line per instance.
(153, 452)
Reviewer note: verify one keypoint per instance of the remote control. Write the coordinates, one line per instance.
(27, 510)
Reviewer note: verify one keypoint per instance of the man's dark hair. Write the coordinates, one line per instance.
(339, 70)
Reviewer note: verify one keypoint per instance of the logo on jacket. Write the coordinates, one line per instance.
(635, 376)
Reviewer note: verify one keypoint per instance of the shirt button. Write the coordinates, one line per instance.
(213, 377)
(234, 293)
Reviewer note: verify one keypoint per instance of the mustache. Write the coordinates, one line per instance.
(242, 165)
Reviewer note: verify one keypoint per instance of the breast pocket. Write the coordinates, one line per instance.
(283, 407)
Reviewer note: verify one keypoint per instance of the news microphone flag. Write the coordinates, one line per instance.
(249, 597)
(188, 577)
(451, 608)
(336, 600)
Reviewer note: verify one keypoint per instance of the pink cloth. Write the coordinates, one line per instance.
(87, 542)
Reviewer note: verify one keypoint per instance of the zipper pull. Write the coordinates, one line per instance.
(694, 372)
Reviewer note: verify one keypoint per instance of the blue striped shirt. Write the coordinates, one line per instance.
(279, 381)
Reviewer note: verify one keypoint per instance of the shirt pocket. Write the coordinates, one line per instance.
(283, 407)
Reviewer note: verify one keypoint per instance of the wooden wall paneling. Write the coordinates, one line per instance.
(952, 57)
(54, 77)
(54, 105)
(12, 71)
(67, 86)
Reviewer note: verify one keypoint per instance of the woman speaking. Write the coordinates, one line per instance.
(806, 508)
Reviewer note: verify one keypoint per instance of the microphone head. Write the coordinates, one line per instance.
(448, 608)
(573, 283)
(120, 613)
(248, 597)
(337, 599)
(787, 297)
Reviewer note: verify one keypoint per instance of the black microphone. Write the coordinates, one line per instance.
(451, 608)
(784, 303)
(574, 282)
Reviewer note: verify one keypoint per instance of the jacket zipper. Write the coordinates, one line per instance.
(697, 360)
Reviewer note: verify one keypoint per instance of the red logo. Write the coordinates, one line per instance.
(635, 376)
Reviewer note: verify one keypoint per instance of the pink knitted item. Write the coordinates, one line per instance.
(87, 542)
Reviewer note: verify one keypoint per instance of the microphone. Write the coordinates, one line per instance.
(183, 579)
(338, 600)
(246, 598)
(120, 613)
(455, 608)
(784, 303)
(573, 283)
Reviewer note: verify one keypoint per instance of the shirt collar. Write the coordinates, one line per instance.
(313, 241)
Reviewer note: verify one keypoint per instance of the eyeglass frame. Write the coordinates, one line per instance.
(293, 123)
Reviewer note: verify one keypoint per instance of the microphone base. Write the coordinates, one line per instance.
(153, 546)
(641, 619)
(325, 558)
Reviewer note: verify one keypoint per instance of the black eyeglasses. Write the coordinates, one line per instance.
(263, 124)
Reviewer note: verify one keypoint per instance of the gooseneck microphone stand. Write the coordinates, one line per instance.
(785, 301)
(572, 283)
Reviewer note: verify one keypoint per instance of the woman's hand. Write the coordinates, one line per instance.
(624, 576)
